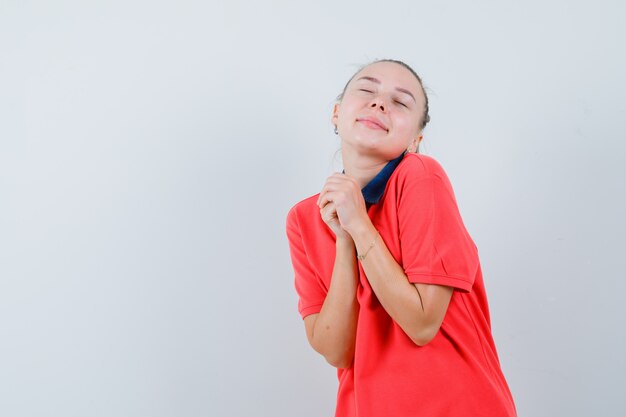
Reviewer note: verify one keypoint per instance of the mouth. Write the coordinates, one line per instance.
(372, 123)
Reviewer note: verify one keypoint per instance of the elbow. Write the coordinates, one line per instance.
(336, 359)
(340, 361)
(423, 336)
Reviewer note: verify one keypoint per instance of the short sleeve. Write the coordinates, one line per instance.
(436, 247)
(311, 292)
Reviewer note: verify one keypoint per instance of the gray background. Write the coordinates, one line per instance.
(149, 153)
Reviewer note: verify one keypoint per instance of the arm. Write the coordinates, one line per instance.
(437, 251)
(332, 331)
(418, 309)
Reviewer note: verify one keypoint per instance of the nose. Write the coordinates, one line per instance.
(378, 102)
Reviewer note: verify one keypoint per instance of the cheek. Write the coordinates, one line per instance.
(349, 109)
(404, 124)
(408, 124)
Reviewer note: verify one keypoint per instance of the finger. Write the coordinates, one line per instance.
(328, 212)
(342, 180)
(333, 179)
(322, 192)
(323, 197)
(338, 178)
(329, 207)
(319, 197)
(342, 177)
(328, 197)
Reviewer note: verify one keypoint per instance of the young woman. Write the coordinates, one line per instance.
(389, 280)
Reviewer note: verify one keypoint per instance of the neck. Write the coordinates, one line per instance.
(362, 167)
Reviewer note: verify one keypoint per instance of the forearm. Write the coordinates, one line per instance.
(334, 332)
(397, 295)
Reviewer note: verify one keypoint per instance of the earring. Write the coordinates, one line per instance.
(336, 131)
(410, 148)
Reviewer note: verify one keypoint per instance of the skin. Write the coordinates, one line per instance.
(418, 309)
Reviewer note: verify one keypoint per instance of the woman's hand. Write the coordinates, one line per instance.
(329, 215)
(342, 206)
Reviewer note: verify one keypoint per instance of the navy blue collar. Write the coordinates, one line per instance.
(375, 189)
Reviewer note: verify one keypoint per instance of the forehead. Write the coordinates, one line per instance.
(390, 73)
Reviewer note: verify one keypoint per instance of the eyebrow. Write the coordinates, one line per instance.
(377, 81)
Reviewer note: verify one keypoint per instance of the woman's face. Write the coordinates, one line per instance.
(380, 111)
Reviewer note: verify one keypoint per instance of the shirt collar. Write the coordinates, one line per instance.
(375, 189)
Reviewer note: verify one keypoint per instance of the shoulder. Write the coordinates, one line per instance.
(302, 208)
(415, 167)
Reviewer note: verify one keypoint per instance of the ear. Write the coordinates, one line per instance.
(335, 117)
(414, 144)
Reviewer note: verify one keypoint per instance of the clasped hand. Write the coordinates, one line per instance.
(342, 206)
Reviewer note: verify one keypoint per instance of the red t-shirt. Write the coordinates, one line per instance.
(458, 373)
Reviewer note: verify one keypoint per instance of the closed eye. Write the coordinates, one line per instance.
(369, 91)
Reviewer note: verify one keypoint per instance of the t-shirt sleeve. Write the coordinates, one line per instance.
(311, 292)
(436, 247)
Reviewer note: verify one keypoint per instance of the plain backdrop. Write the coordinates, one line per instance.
(150, 151)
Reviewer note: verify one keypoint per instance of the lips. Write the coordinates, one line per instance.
(374, 120)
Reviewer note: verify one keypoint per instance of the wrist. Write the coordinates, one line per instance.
(345, 242)
(363, 238)
(363, 231)
(361, 227)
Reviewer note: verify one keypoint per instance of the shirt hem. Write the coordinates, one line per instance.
(458, 283)
(307, 311)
